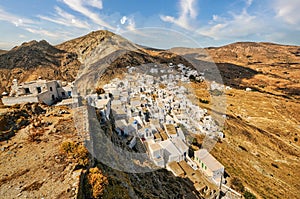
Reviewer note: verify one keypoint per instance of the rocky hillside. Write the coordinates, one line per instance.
(2, 52)
(266, 67)
(33, 59)
(261, 146)
(34, 161)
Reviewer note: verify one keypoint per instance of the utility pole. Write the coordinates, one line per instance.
(220, 188)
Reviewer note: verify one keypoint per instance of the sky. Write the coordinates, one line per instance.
(155, 23)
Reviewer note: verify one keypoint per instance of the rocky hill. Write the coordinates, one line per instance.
(266, 67)
(2, 52)
(33, 59)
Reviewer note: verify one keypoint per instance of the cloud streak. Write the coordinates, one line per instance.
(14, 19)
(288, 11)
(81, 6)
(237, 26)
(63, 18)
(187, 13)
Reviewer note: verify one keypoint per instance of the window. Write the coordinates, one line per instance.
(51, 88)
(27, 91)
(53, 97)
(39, 90)
(63, 94)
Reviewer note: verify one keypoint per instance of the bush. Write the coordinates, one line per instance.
(97, 182)
(77, 151)
(249, 195)
(237, 184)
(67, 147)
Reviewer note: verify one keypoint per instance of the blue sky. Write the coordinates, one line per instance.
(156, 23)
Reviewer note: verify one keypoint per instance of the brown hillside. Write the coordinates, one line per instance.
(3, 52)
(269, 68)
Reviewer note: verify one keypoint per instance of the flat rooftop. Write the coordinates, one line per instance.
(170, 128)
(211, 162)
(154, 147)
(176, 169)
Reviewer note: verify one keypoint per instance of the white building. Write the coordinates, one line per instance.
(209, 165)
(39, 91)
(171, 153)
(156, 153)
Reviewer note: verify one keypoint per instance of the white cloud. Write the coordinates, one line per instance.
(236, 26)
(43, 32)
(249, 3)
(288, 11)
(187, 13)
(14, 19)
(129, 22)
(94, 3)
(66, 19)
(123, 20)
(80, 6)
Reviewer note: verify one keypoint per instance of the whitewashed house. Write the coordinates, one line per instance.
(146, 133)
(181, 146)
(123, 128)
(39, 91)
(209, 165)
(156, 154)
(171, 153)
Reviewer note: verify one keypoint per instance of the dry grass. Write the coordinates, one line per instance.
(259, 146)
(97, 181)
(76, 151)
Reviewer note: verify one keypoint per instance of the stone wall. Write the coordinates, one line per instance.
(9, 101)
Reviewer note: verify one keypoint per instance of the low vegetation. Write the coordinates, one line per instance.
(76, 151)
(96, 182)
(237, 184)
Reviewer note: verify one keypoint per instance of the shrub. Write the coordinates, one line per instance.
(67, 147)
(237, 184)
(249, 195)
(97, 182)
(76, 151)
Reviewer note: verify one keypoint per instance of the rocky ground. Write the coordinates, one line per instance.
(32, 163)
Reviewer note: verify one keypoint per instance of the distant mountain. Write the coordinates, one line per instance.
(31, 54)
(2, 52)
(268, 67)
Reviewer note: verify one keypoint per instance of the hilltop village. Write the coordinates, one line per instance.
(151, 105)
